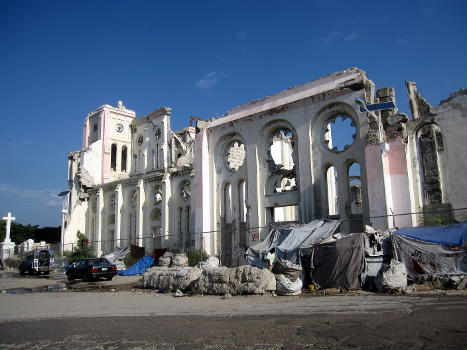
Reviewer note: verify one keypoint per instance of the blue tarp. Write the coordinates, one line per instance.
(455, 234)
(138, 268)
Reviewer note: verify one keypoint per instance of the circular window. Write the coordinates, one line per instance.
(119, 127)
(235, 155)
(339, 133)
(140, 139)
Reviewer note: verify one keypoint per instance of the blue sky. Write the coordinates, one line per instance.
(60, 60)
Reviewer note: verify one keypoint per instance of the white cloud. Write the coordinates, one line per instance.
(331, 36)
(210, 80)
(351, 36)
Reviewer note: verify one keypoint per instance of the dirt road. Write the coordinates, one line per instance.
(148, 320)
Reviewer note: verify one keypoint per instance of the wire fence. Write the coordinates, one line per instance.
(186, 241)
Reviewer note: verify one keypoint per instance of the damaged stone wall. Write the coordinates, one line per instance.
(437, 144)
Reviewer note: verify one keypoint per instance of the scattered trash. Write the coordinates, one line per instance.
(178, 293)
(391, 276)
(117, 257)
(286, 287)
(209, 263)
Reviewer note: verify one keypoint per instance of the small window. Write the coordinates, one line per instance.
(124, 157)
(113, 157)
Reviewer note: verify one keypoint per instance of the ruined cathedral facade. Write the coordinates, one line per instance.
(221, 184)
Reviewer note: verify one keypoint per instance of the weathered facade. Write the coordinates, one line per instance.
(279, 159)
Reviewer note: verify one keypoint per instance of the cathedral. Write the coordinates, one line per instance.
(331, 148)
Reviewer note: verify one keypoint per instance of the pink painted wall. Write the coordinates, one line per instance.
(375, 183)
(397, 163)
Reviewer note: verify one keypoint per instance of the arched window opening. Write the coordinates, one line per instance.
(113, 157)
(281, 149)
(156, 215)
(332, 193)
(228, 204)
(242, 200)
(430, 149)
(124, 157)
(355, 189)
(179, 221)
(242, 213)
(287, 213)
(187, 221)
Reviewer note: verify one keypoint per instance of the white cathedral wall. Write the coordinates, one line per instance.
(91, 160)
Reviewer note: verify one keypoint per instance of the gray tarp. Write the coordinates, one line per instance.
(422, 257)
(337, 264)
(288, 241)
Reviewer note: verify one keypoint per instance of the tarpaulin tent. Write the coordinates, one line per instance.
(423, 257)
(454, 234)
(140, 267)
(287, 241)
(337, 264)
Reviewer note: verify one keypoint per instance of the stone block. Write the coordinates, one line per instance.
(385, 92)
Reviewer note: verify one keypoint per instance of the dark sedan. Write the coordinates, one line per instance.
(91, 269)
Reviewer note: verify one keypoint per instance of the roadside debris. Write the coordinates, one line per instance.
(139, 268)
(215, 281)
(316, 256)
(117, 257)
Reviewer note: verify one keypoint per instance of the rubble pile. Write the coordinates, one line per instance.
(235, 281)
(214, 281)
(171, 278)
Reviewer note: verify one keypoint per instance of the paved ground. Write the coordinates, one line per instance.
(126, 319)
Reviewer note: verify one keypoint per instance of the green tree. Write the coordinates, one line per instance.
(20, 233)
(82, 249)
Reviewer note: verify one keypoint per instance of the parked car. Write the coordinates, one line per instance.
(37, 261)
(91, 269)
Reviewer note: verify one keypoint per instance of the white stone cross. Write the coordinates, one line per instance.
(8, 219)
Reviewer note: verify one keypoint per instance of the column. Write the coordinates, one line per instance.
(166, 190)
(140, 213)
(99, 226)
(118, 215)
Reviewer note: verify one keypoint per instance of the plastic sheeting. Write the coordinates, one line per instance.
(422, 257)
(140, 267)
(287, 242)
(454, 234)
(337, 264)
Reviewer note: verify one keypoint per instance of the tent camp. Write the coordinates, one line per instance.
(287, 241)
(438, 250)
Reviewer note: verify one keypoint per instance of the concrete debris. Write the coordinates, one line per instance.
(443, 281)
(165, 260)
(209, 263)
(173, 260)
(240, 280)
(170, 278)
(180, 260)
(214, 281)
